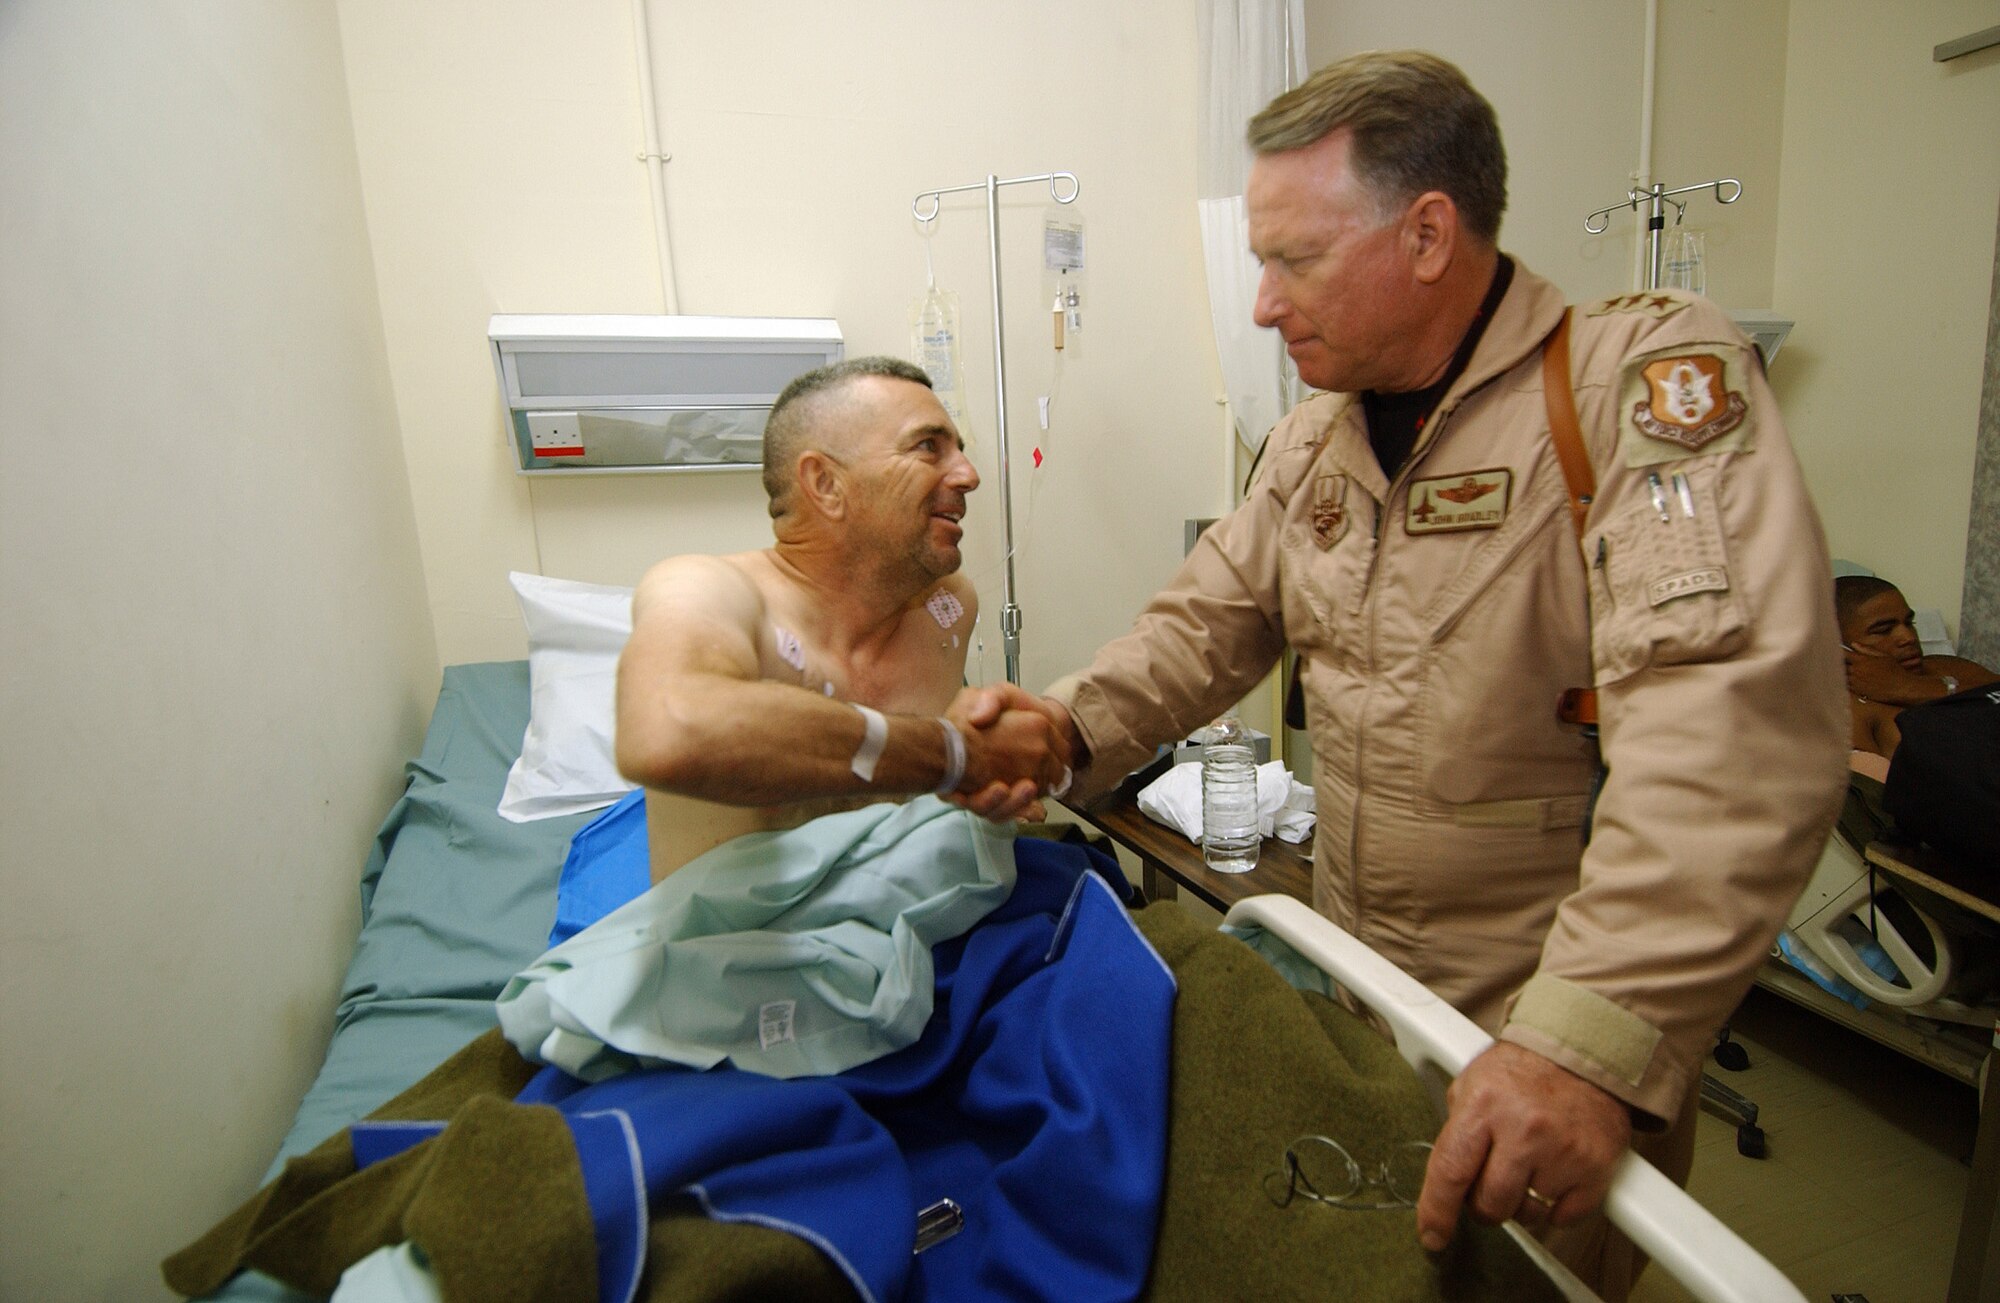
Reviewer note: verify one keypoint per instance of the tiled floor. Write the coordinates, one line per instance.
(1867, 1163)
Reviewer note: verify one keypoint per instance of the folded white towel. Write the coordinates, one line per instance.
(1284, 805)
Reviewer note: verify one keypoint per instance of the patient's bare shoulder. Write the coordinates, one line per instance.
(1970, 674)
(690, 615)
(695, 585)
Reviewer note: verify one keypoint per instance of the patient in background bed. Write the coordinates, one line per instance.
(1886, 666)
(740, 694)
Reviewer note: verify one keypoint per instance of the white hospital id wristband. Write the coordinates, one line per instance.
(874, 736)
(954, 758)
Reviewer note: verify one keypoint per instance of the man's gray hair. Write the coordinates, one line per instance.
(1417, 125)
(796, 422)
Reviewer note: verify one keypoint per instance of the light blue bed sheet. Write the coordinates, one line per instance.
(454, 901)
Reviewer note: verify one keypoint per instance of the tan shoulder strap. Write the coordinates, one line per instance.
(1578, 705)
(1568, 437)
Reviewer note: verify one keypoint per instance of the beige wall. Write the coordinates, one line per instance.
(1566, 81)
(497, 145)
(1870, 187)
(216, 648)
(1885, 256)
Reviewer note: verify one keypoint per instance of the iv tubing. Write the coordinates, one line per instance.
(656, 162)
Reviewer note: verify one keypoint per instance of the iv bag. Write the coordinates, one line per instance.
(934, 347)
(1682, 261)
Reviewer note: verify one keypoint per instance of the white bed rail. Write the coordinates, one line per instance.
(1684, 1238)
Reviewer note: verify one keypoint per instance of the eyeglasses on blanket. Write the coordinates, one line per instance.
(1320, 1168)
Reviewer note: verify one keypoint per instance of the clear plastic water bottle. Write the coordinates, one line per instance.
(1229, 840)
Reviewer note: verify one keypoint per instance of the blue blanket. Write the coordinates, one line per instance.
(608, 864)
(1036, 1099)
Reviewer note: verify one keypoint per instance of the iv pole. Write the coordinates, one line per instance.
(1010, 613)
(1657, 198)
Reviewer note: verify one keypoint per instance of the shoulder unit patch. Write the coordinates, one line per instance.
(1682, 402)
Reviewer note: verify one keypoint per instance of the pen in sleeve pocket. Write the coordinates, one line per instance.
(1659, 492)
(1686, 495)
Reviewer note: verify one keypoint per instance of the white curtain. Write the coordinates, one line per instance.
(1252, 51)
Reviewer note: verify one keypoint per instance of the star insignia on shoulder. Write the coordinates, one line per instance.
(1649, 304)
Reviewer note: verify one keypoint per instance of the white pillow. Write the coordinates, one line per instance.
(575, 632)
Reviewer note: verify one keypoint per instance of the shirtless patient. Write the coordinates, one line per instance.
(1886, 666)
(738, 692)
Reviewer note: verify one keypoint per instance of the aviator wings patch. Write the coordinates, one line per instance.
(1446, 503)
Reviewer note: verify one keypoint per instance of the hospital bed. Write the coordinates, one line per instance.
(1869, 940)
(456, 900)
(1881, 947)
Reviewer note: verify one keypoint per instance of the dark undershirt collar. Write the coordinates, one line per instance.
(1396, 420)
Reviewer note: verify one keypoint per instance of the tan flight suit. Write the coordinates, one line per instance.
(1438, 619)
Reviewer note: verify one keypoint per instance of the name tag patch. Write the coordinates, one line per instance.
(1708, 579)
(1448, 503)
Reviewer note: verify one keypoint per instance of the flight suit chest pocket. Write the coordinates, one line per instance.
(1662, 590)
(1324, 572)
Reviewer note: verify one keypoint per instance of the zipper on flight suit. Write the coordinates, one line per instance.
(1432, 431)
(1424, 444)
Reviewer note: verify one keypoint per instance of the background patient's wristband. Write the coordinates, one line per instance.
(954, 758)
(874, 737)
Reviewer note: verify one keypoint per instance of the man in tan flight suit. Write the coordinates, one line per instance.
(1410, 536)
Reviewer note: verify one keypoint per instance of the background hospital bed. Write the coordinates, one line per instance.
(455, 900)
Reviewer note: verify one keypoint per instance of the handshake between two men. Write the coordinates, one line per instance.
(1024, 740)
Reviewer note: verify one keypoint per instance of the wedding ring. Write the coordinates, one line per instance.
(1542, 1199)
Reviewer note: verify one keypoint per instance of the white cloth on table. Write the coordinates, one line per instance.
(1284, 805)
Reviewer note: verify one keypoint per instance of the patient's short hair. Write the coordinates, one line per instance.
(1417, 125)
(1850, 591)
(798, 418)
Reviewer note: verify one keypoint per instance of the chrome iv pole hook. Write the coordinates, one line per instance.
(1603, 215)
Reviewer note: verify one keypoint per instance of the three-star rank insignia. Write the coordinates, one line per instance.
(1652, 304)
(1329, 510)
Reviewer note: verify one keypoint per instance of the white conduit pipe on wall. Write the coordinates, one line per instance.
(1643, 178)
(656, 162)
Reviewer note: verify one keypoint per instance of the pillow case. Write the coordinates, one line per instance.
(575, 633)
